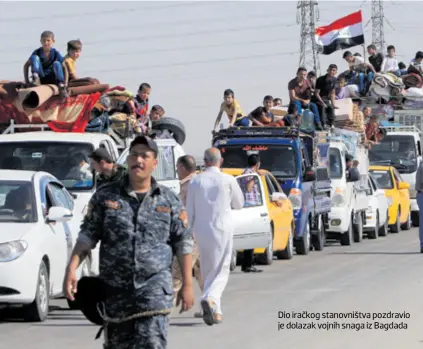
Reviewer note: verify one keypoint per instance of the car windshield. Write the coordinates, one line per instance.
(17, 204)
(402, 146)
(280, 160)
(68, 162)
(335, 163)
(383, 179)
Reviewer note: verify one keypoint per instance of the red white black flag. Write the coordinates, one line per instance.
(339, 35)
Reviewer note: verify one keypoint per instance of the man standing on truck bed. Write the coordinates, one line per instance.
(325, 94)
(107, 169)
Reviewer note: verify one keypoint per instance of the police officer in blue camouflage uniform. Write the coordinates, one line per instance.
(140, 224)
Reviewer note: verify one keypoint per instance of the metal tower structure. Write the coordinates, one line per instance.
(378, 34)
(307, 15)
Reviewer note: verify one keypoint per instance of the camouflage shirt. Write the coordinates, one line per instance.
(117, 174)
(138, 240)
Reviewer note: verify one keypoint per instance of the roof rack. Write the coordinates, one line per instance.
(263, 132)
(405, 128)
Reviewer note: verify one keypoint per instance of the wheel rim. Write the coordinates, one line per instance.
(307, 242)
(42, 292)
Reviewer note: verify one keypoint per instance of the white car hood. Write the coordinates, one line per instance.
(15, 231)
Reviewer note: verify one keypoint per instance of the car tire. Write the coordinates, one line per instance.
(347, 237)
(396, 227)
(374, 234)
(302, 245)
(407, 224)
(266, 258)
(384, 229)
(37, 311)
(415, 218)
(319, 240)
(175, 126)
(358, 229)
(288, 252)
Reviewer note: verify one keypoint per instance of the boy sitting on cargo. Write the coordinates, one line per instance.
(231, 107)
(156, 112)
(74, 51)
(46, 65)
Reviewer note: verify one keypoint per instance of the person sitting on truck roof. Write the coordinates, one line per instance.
(74, 51)
(359, 67)
(156, 112)
(46, 65)
(402, 68)
(325, 94)
(263, 116)
(107, 170)
(375, 58)
(292, 119)
(141, 102)
(416, 64)
(390, 62)
(312, 77)
(233, 110)
(300, 90)
(277, 102)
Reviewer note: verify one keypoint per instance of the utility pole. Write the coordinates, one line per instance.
(307, 15)
(378, 18)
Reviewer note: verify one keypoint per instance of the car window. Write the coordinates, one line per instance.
(383, 179)
(250, 186)
(60, 197)
(17, 202)
(397, 175)
(271, 188)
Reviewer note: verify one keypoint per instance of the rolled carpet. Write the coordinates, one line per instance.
(412, 80)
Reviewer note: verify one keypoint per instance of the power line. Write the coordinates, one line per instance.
(164, 36)
(51, 16)
(307, 15)
(172, 49)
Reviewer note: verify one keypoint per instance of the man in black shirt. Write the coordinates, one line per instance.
(325, 95)
(375, 58)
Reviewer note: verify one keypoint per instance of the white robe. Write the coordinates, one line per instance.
(211, 197)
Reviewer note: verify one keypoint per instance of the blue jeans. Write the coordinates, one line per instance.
(420, 204)
(313, 107)
(55, 76)
(244, 122)
(363, 80)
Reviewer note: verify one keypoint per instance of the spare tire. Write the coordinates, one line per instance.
(172, 125)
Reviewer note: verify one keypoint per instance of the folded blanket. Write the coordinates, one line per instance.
(412, 80)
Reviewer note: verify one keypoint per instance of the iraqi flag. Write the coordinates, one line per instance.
(344, 33)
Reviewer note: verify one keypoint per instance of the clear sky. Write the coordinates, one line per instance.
(190, 52)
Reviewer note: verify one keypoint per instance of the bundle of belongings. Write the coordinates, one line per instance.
(387, 86)
(349, 117)
(28, 104)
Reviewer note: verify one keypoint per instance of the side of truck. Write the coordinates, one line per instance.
(289, 155)
(349, 197)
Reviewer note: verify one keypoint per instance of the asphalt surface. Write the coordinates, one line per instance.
(375, 276)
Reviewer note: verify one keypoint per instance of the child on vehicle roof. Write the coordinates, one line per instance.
(46, 64)
(74, 51)
(233, 110)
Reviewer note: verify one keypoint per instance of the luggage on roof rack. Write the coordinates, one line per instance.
(263, 132)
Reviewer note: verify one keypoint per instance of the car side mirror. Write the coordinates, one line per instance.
(403, 185)
(309, 175)
(59, 214)
(278, 196)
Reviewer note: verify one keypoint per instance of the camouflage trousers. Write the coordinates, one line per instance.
(176, 271)
(142, 333)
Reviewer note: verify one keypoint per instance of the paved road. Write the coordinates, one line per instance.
(375, 276)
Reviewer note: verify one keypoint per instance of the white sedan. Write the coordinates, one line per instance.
(377, 212)
(38, 231)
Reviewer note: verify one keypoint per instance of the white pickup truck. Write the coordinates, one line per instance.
(349, 199)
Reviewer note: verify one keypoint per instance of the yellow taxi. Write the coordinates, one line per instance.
(396, 190)
(281, 216)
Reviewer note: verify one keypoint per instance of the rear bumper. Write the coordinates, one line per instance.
(252, 241)
(339, 220)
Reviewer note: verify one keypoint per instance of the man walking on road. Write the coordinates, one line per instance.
(211, 197)
(139, 222)
(186, 168)
(252, 197)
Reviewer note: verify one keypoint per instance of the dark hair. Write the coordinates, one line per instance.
(47, 34)
(332, 66)
(401, 65)
(372, 46)
(188, 162)
(292, 108)
(347, 54)
(267, 98)
(253, 160)
(277, 100)
(311, 73)
(357, 54)
(158, 108)
(144, 86)
(382, 131)
(300, 69)
(390, 47)
(256, 113)
(228, 92)
(419, 54)
(75, 45)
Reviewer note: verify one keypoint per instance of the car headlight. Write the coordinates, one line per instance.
(390, 201)
(295, 198)
(338, 198)
(12, 250)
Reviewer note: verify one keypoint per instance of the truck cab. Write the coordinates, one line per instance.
(289, 155)
(401, 148)
(349, 196)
